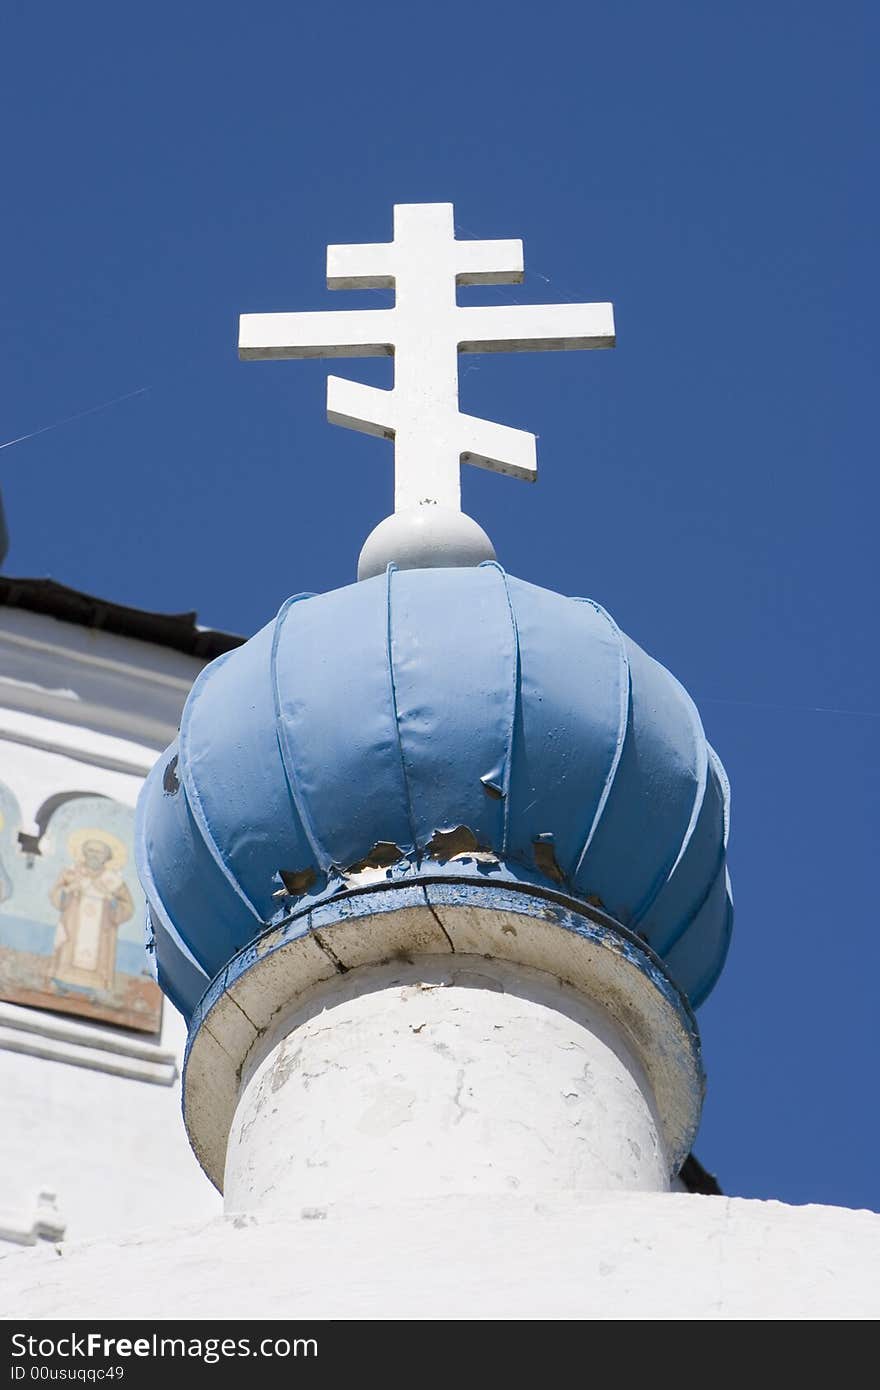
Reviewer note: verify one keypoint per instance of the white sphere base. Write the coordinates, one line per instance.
(426, 537)
(442, 1077)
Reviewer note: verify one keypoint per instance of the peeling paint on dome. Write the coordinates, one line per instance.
(435, 723)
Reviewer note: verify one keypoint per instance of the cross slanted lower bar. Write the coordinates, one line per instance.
(425, 332)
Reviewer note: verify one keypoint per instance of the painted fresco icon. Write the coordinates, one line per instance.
(72, 913)
(93, 901)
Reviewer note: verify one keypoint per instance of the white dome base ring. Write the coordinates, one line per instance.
(640, 1026)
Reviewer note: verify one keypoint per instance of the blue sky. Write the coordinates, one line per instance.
(713, 481)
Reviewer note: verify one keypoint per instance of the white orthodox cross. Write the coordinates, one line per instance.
(424, 332)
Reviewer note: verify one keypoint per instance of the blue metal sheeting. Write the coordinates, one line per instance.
(419, 702)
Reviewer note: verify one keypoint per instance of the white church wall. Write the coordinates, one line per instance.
(111, 1148)
(92, 1138)
(593, 1255)
(90, 679)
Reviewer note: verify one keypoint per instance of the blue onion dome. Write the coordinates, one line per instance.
(434, 722)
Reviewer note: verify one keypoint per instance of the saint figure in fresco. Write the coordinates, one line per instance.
(93, 901)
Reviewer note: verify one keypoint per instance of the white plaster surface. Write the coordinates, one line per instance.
(291, 973)
(79, 1043)
(440, 1077)
(35, 772)
(606, 1255)
(112, 1148)
(93, 680)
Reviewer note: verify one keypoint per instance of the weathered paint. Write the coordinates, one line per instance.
(413, 705)
(455, 1073)
(609, 1256)
(579, 954)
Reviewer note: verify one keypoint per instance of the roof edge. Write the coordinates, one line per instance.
(180, 631)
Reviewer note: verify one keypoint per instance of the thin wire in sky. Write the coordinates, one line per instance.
(79, 414)
(572, 296)
(803, 709)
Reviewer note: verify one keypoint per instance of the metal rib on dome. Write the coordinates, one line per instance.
(425, 723)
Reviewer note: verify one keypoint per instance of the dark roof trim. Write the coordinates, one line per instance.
(176, 630)
(697, 1179)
